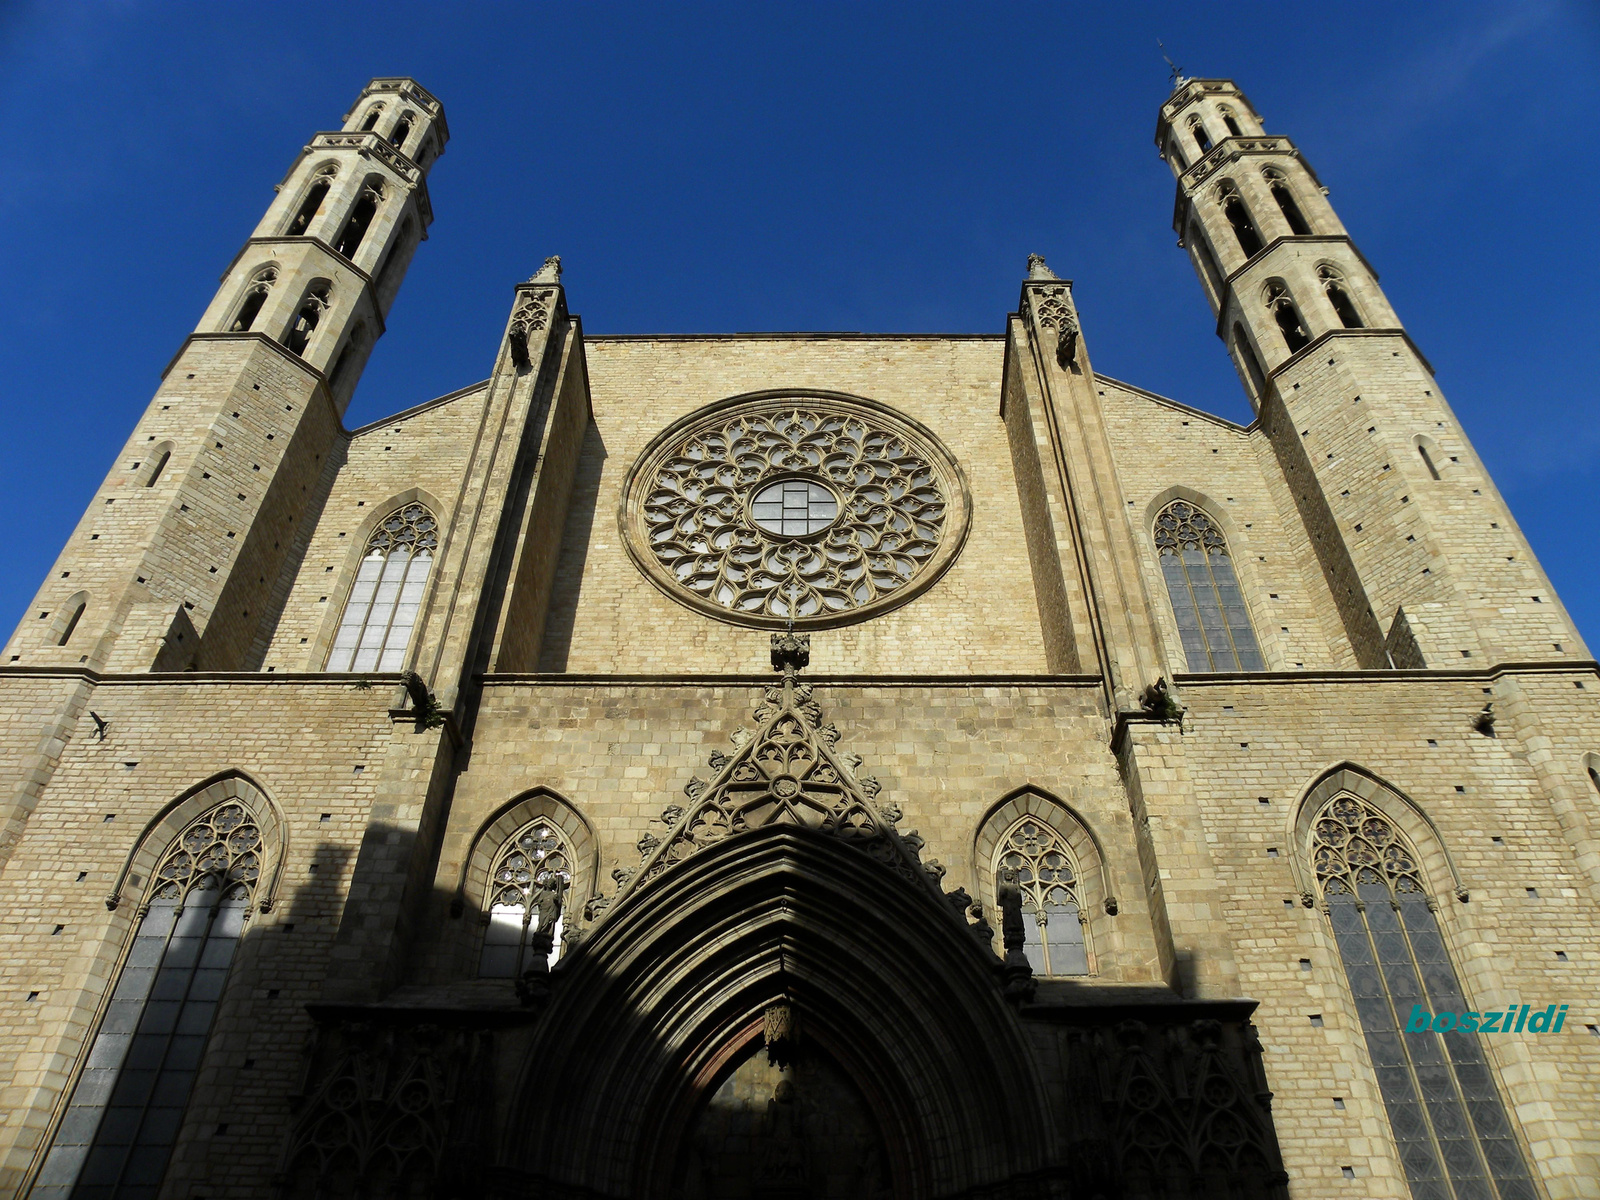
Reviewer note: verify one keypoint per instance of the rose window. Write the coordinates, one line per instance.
(816, 509)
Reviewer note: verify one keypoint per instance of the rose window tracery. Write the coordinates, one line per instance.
(814, 509)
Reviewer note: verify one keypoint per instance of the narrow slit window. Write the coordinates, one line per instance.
(72, 622)
(131, 1099)
(533, 861)
(1213, 619)
(155, 471)
(1052, 918)
(384, 601)
(1445, 1113)
(1427, 461)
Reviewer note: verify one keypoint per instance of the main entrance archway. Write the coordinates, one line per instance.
(651, 1049)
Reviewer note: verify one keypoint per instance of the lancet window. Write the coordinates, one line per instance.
(255, 295)
(308, 316)
(1052, 918)
(1230, 121)
(534, 862)
(1339, 296)
(312, 204)
(129, 1103)
(402, 130)
(1287, 316)
(1197, 130)
(1279, 186)
(373, 114)
(1448, 1121)
(387, 594)
(1239, 217)
(366, 207)
(1213, 619)
(71, 623)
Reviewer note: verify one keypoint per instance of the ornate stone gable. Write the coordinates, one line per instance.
(788, 771)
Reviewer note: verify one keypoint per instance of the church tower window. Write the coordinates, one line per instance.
(1252, 364)
(254, 297)
(534, 860)
(1287, 316)
(1448, 1122)
(371, 122)
(1197, 130)
(129, 1103)
(1052, 919)
(312, 204)
(72, 621)
(366, 207)
(402, 130)
(387, 594)
(1231, 122)
(1339, 296)
(308, 316)
(1239, 217)
(1279, 186)
(1213, 620)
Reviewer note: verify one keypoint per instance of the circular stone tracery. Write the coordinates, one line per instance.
(812, 507)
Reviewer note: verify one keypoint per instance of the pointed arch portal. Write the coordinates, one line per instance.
(669, 998)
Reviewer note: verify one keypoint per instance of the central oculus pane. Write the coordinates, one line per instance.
(793, 507)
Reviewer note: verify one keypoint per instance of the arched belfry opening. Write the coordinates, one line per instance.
(781, 956)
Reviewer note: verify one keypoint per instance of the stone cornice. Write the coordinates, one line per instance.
(319, 379)
(1308, 351)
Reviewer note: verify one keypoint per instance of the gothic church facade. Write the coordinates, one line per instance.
(798, 765)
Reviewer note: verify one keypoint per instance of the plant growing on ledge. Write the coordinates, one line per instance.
(1159, 704)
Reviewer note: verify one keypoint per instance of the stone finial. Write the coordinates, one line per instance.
(550, 272)
(1039, 269)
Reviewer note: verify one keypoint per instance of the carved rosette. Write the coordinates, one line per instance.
(890, 510)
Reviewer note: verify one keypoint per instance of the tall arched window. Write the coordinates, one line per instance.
(1230, 121)
(1239, 217)
(1213, 620)
(1202, 251)
(402, 130)
(1444, 1111)
(1287, 316)
(1197, 131)
(371, 122)
(1247, 355)
(382, 609)
(1339, 296)
(1053, 921)
(312, 204)
(255, 295)
(366, 207)
(308, 316)
(129, 1103)
(524, 865)
(1279, 185)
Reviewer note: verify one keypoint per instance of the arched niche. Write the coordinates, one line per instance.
(666, 996)
(540, 803)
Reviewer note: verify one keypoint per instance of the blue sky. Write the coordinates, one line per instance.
(874, 167)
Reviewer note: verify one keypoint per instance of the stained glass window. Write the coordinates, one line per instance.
(1052, 919)
(387, 595)
(1450, 1127)
(129, 1102)
(1213, 621)
(527, 860)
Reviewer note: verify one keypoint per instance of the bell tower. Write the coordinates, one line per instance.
(173, 565)
(1423, 557)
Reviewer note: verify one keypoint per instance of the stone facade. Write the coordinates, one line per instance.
(794, 956)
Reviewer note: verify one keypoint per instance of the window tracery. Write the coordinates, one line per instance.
(1213, 619)
(1339, 296)
(309, 315)
(530, 859)
(1449, 1124)
(129, 1103)
(1284, 312)
(312, 204)
(818, 511)
(255, 295)
(1053, 922)
(1278, 184)
(384, 601)
(1233, 208)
